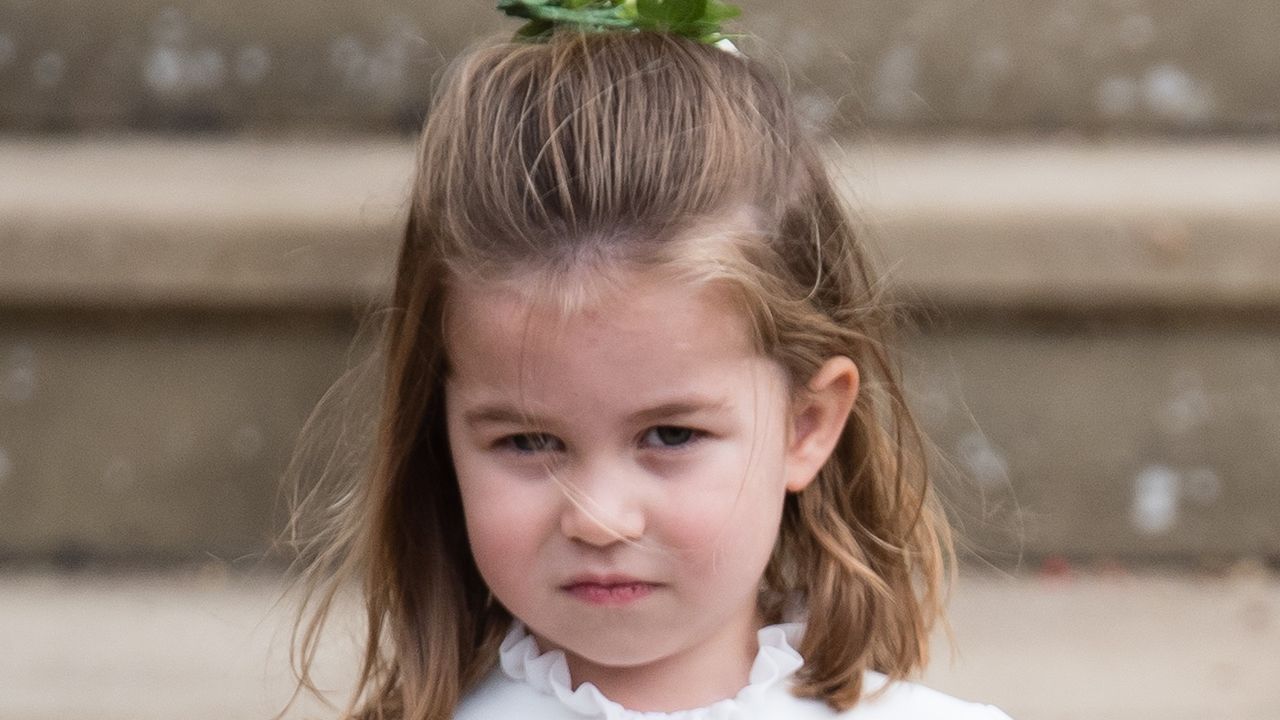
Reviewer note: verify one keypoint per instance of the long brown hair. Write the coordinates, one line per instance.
(614, 147)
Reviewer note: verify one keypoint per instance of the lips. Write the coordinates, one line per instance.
(609, 590)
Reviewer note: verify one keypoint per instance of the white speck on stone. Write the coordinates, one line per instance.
(384, 72)
(8, 50)
(1155, 500)
(346, 55)
(180, 438)
(990, 67)
(932, 402)
(1186, 413)
(19, 385)
(987, 72)
(48, 69)
(1063, 23)
(179, 71)
(803, 45)
(816, 108)
(207, 68)
(982, 460)
(1137, 31)
(176, 65)
(163, 72)
(119, 474)
(170, 26)
(252, 64)
(893, 90)
(247, 442)
(22, 354)
(1188, 409)
(1117, 97)
(379, 72)
(1174, 95)
(18, 376)
(389, 69)
(1203, 485)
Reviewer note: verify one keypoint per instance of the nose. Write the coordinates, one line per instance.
(602, 512)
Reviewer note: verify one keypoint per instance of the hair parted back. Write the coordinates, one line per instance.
(616, 147)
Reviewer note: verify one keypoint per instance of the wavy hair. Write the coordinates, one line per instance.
(616, 147)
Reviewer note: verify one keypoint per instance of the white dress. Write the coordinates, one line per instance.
(528, 684)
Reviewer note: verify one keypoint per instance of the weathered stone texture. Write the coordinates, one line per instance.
(1083, 65)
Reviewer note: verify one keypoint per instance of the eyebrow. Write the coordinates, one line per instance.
(502, 414)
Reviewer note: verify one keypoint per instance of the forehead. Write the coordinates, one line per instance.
(640, 330)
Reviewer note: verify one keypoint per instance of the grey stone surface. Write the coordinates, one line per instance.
(138, 437)
(133, 436)
(212, 645)
(1106, 436)
(146, 221)
(1085, 65)
(962, 224)
(1080, 227)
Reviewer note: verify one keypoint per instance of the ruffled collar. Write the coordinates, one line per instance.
(548, 673)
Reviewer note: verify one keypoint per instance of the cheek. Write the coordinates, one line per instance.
(504, 525)
(495, 535)
(733, 522)
(504, 546)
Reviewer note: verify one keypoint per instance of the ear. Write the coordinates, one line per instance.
(817, 418)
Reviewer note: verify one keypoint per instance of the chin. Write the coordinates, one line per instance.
(614, 657)
(613, 650)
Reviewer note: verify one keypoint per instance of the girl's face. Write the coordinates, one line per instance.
(622, 469)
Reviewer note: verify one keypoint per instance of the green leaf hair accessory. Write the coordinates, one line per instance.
(696, 19)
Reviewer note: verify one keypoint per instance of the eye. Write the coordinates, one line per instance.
(532, 442)
(670, 436)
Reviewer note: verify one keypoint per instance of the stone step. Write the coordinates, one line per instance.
(197, 65)
(1071, 226)
(213, 644)
(1099, 362)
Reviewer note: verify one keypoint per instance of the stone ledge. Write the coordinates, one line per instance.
(1040, 225)
(198, 223)
(1052, 225)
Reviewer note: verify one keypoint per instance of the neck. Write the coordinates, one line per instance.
(694, 677)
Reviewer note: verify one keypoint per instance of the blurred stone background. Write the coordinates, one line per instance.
(1077, 201)
(1085, 66)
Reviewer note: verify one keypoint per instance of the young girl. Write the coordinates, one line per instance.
(643, 452)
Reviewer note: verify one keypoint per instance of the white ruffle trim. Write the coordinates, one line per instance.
(548, 673)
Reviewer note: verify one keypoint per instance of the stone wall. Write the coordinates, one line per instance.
(1075, 200)
(1095, 356)
(1080, 66)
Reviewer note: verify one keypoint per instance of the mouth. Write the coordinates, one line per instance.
(609, 590)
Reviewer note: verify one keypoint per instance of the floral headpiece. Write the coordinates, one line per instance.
(696, 19)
